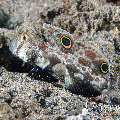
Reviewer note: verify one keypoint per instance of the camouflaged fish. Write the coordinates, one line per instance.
(80, 66)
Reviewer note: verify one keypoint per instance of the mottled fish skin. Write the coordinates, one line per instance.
(76, 67)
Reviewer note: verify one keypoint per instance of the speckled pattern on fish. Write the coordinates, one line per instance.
(81, 65)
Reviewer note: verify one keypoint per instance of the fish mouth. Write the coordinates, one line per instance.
(81, 83)
(83, 88)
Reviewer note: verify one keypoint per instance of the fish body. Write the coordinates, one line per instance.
(79, 65)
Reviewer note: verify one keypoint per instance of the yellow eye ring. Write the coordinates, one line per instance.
(104, 67)
(66, 41)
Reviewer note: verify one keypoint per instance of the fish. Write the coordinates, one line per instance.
(79, 65)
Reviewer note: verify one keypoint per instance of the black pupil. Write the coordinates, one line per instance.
(24, 38)
(105, 67)
(66, 41)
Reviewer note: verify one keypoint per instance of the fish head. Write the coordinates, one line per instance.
(80, 64)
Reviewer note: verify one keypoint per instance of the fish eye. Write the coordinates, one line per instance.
(104, 67)
(24, 37)
(66, 41)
